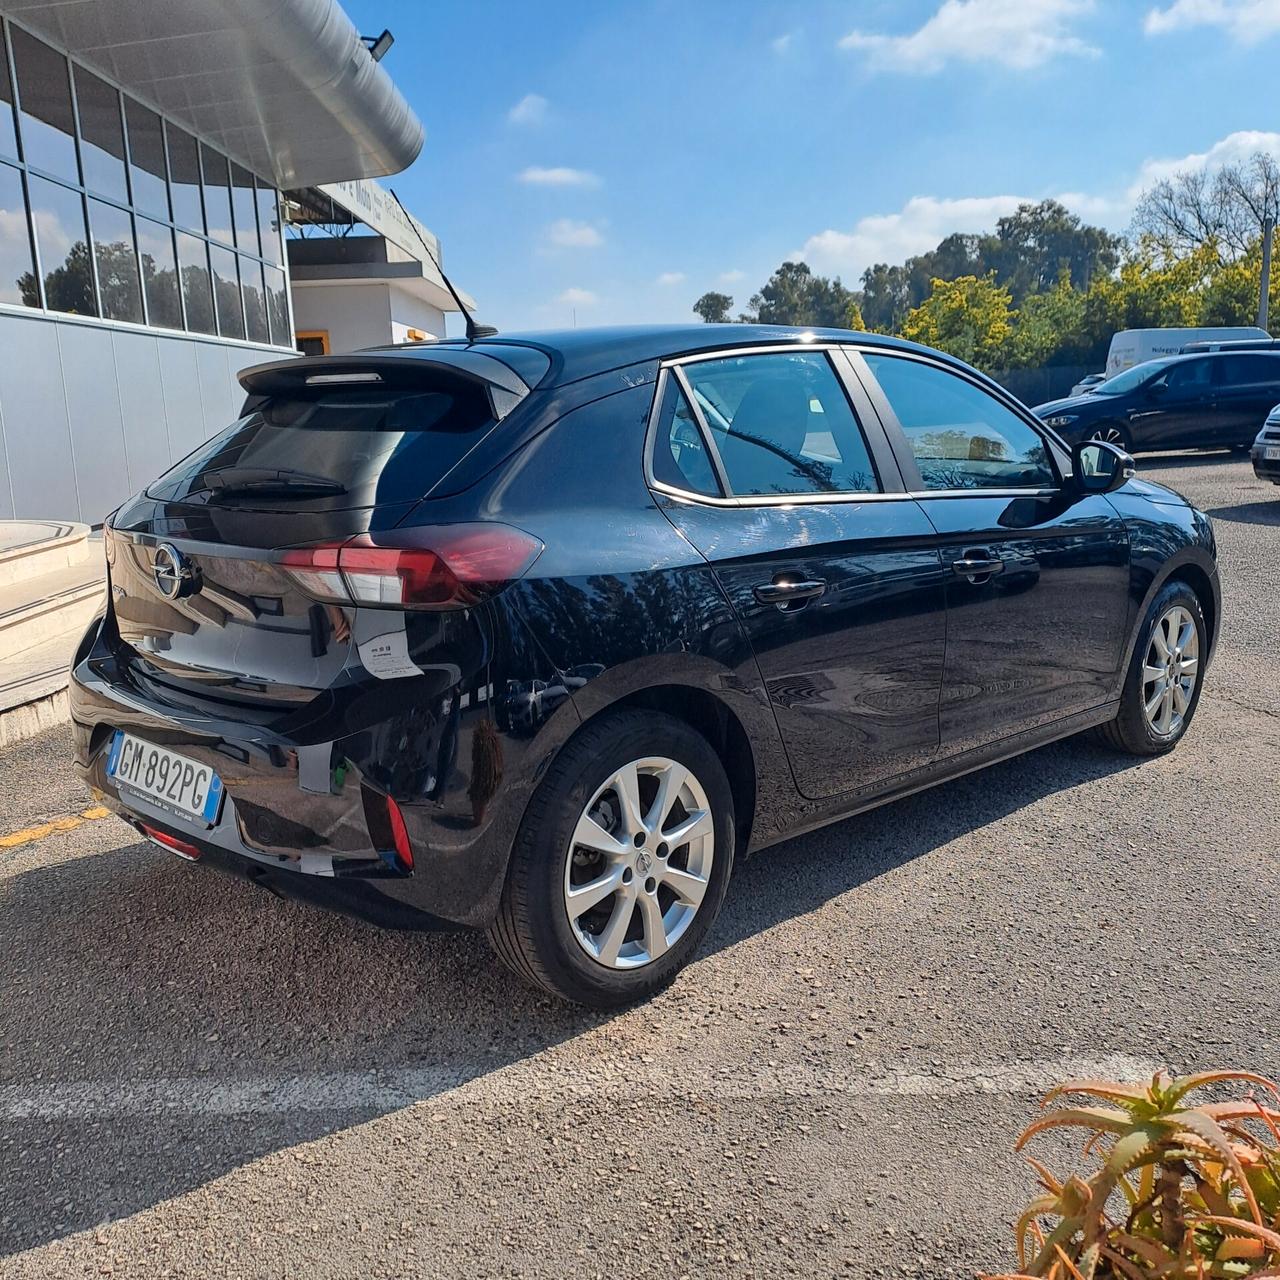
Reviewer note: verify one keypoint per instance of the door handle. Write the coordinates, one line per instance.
(978, 567)
(783, 591)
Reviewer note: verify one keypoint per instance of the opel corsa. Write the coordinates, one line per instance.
(537, 635)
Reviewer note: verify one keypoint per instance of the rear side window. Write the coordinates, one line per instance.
(349, 447)
(1249, 369)
(962, 436)
(782, 425)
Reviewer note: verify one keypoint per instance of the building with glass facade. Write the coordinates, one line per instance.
(143, 144)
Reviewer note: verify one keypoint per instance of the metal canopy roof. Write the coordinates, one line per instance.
(283, 86)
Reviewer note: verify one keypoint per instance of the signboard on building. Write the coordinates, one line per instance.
(377, 209)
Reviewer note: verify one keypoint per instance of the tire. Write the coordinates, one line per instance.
(1113, 433)
(1133, 731)
(533, 933)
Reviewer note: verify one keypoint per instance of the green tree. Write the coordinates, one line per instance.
(1049, 329)
(1035, 244)
(794, 295)
(971, 318)
(714, 307)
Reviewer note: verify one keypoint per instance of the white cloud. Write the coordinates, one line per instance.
(565, 233)
(558, 177)
(671, 277)
(531, 109)
(1022, 34)
(925, 220)
(1233, 149)
(578, 298)
(782, 43)
(731, 276)
(1246, 21)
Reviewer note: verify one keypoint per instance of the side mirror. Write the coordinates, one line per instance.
(1157, 388)
(1099, 467)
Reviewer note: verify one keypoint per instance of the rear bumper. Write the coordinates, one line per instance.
(305, 813)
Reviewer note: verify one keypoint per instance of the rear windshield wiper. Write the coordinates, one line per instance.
(264, 482)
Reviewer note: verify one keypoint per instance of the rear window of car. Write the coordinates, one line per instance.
(1237, 369)
(340, 447)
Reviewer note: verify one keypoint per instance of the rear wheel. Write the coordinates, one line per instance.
(1162, 688)
(1112, 433)
(621, 863)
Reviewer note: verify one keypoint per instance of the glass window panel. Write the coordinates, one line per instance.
(217, 195)
(226, 284)
(679, 453)
(8, 133)
(159, 274)
(184, 170)
(962, 436)
(113, 249)
(44, 85)
(146, 155)
(17, 268)
(269, 225)
(101, 136)
(58, 215)
(782, 425)
(255, 301)
(278, 308)
(193, 258)
(246, 216)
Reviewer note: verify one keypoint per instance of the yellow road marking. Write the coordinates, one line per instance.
(69, 823)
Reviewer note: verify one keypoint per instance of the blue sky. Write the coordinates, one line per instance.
(612, 161)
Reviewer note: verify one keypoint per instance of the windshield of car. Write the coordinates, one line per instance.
(1130, 379)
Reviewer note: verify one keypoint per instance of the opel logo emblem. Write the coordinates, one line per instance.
(643, 862)
(171, 571)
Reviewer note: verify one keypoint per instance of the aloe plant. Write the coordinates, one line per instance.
(1181, 1191)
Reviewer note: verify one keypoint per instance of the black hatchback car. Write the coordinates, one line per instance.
(1212, 401)
(772, 578)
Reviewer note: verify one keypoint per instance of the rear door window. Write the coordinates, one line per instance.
(1249, 370)
(336, 448)
(782, 425)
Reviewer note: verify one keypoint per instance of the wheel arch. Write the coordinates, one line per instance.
(1196, 568)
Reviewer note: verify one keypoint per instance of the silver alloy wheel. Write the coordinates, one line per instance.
(1109, 435)
(639, 863)
(1170, 671)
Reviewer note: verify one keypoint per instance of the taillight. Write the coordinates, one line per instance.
(446, 566)
(399, 834)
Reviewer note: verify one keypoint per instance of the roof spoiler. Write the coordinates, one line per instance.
(314, 375)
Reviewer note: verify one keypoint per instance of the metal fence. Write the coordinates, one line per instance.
(1035, 386)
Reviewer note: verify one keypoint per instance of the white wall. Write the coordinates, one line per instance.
(353, 315)
(90, 411)
(362, 315)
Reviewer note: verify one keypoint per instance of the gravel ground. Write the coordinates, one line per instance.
(199, 1080)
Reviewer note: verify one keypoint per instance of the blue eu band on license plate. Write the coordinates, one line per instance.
(167, 778)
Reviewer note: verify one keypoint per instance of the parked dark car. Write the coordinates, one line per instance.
(778, 578)
(1265, 453)
(1182, 402)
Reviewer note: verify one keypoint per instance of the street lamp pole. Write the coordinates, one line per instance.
(1264, 292)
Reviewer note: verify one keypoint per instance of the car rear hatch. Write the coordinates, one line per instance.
(203, 600)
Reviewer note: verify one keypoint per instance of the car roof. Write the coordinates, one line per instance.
(583, 353)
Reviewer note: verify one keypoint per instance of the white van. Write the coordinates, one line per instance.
(1133, 346)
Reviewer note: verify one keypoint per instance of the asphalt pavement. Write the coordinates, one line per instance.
(199, 1080)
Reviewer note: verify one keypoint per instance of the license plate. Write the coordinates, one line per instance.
(168, 779)
(1272, 453)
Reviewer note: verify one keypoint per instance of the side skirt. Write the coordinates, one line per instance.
(945, 771)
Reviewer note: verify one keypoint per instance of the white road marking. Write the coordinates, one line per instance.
(382, 1091)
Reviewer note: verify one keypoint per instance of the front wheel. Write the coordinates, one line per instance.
(621, 863)
(1162, 688)
(1112, 433)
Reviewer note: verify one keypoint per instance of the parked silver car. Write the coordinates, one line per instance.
(1266, 449)
(1088, 383)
